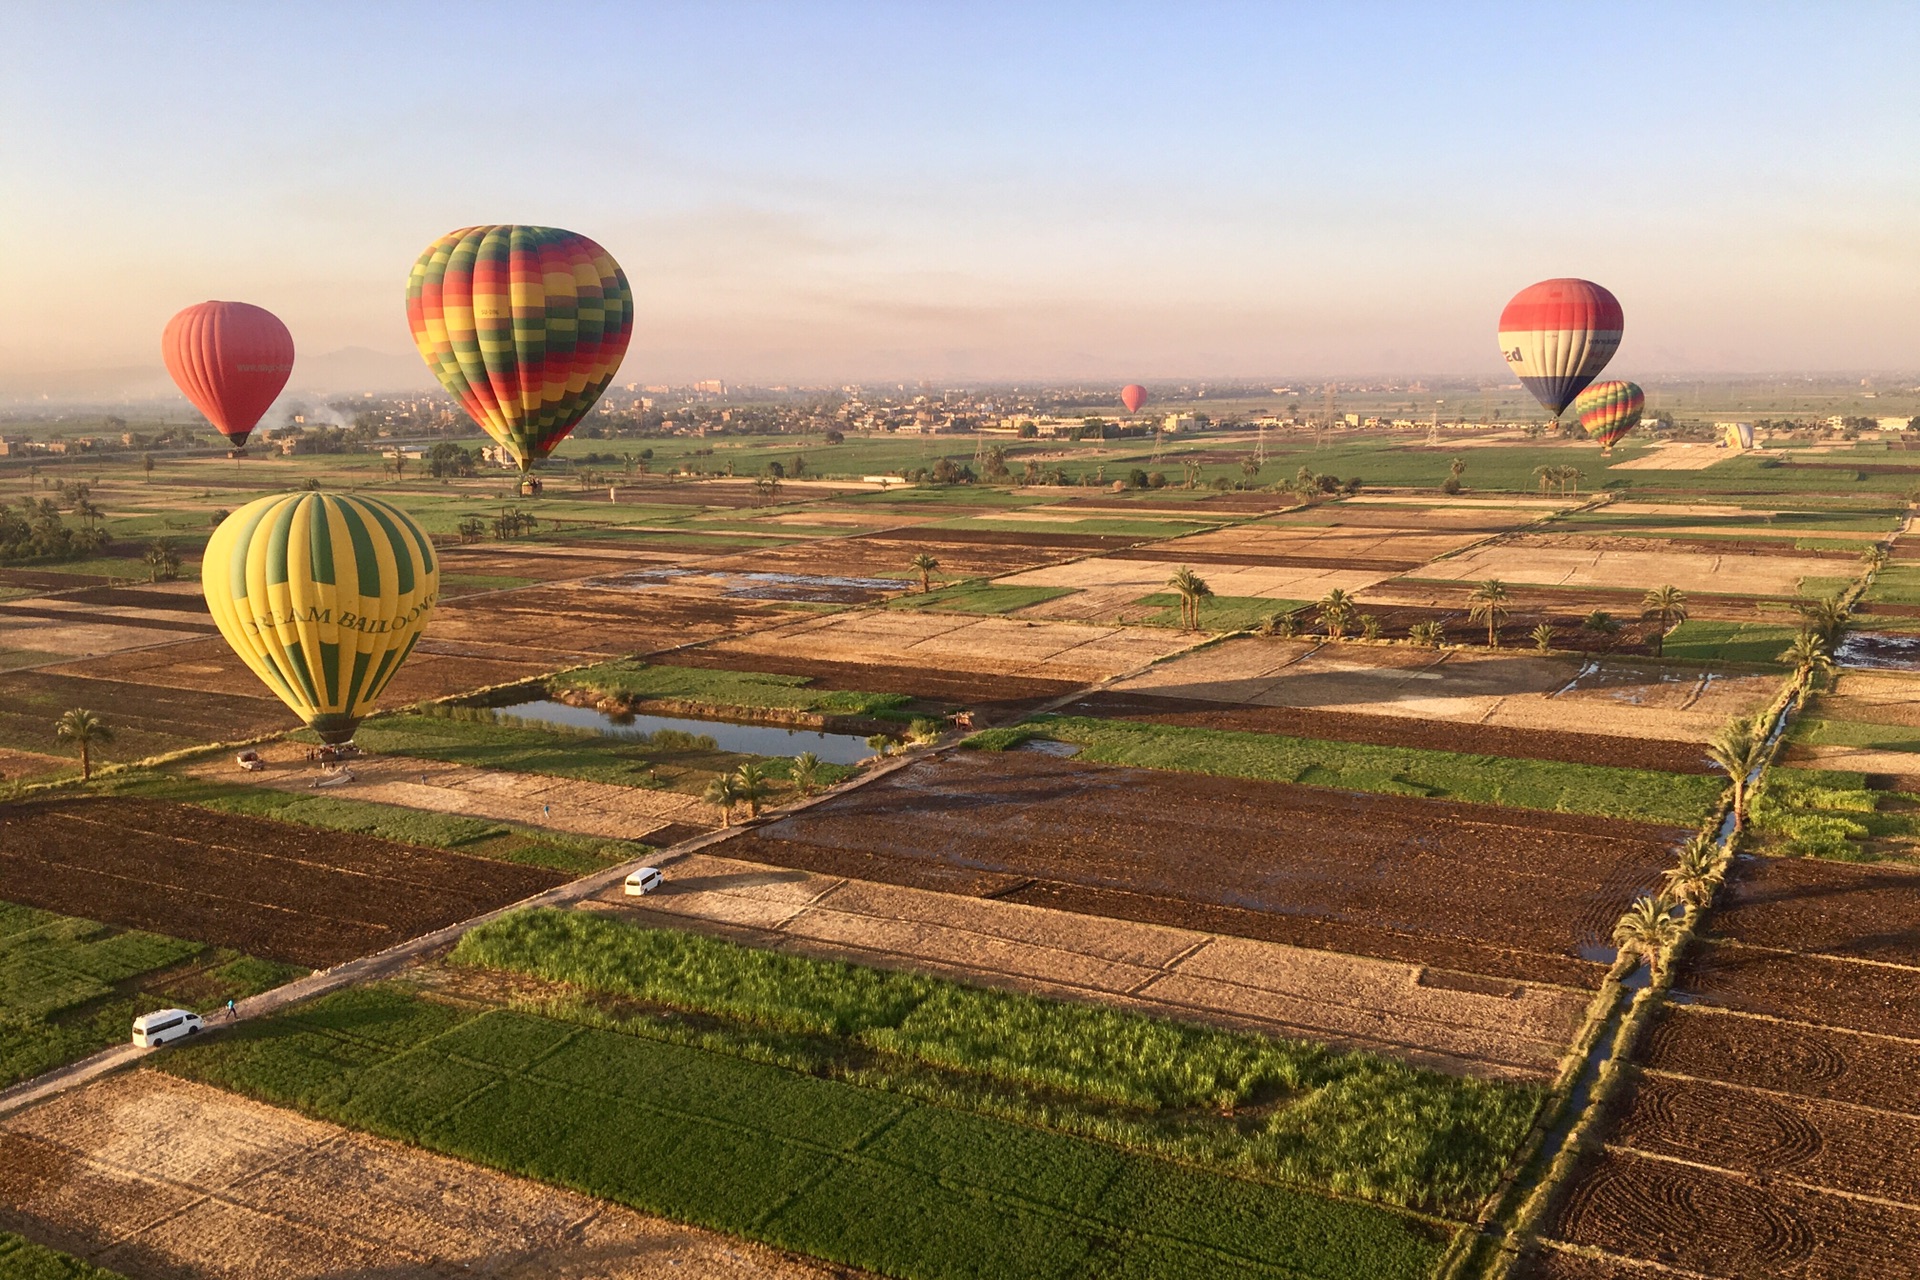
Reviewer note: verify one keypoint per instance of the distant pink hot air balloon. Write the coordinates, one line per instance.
(1133, 395)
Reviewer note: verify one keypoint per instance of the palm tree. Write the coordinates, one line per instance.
(1543, 637)
(1427, 635)
(1369, 626)
(1193, 589)
(1336, 611)
(1282, 625)
(83, 728)
(750, 785)
(926, 564)
(1738, 749)
(1456, 467)
(1874, 558)
(722, 795)
(880, 744)
(1809, 657)
(162, 561)
(1601, 623)
(1666, 606)
(1648, 931)
(1489, 603)
(1570, 477)
(1543, 474)
(1827, 618)
(1695, 876)
(805, 772)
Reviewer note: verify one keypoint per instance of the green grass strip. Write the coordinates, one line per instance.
(1706, 640)
(70, 986)
(1221, 613)
(845, 1173)
(978, 597)
(1644, 795)
(746, 690)
(21, 1259)
(1246, 1104)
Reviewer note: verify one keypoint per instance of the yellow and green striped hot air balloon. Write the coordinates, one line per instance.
(324, 596)
(524, 326)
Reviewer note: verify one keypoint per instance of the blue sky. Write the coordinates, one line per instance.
(817, 192)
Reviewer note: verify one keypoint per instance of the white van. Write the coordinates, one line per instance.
(643, 881)
(150, 1029)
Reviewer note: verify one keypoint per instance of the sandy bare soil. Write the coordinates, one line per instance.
(1443, 1018)
(1525, 558)
(559, 804)
(1627, 698)
(960, 643)
(1129, 579)
(157, 1177)
(1676, 455)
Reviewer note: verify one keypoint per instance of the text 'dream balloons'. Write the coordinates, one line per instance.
(1608, 410)
(230, 359)
(1557, 336)
(1133, 395)
(524, 326)
(323, 596)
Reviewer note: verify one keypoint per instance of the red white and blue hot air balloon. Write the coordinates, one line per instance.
(1557, 336)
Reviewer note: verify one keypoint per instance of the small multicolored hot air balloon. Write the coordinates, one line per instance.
(1133, 395)
(1608, 410)
(324, 596)
(230, 359)
(1557, 336)
(524, 326)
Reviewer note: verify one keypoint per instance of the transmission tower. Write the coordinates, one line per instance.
(1433, 431)
(1260, 447)
(1159, 440)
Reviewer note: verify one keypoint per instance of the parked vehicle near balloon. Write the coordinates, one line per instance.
(1609, 410)
(524, 326)
(1557, 336)
(231, 360)
(323, 596)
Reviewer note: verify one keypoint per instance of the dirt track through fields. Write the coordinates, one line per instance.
(155, 1176)
(1387, 877)
(1453, 1021)
(283, 892)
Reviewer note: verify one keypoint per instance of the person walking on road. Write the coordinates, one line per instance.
(232, 1012)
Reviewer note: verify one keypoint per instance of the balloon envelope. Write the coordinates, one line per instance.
(323, 596)
(230, 359)
(1557, 336)
(1608, 410)
(1133, 395)
(524, 326)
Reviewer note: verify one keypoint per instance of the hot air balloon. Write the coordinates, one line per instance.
(1608, 410)
(1133, 395)
(524, 326)
(1557, 336)
(230, 359)
(324, 597)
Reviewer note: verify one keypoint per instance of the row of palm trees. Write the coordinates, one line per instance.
(1566, 479)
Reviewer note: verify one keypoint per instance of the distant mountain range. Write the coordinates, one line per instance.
(348, 370)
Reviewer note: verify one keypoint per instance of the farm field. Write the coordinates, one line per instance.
(1546, 559)
(293, 894)
(70, 986)
(247, 1189)
(1771, 1128)
(1520, 691)
(1455, 1021)
(1389, 877)
(876, 1179)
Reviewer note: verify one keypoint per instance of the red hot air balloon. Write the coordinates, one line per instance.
(231, 359)
(1557, 336)
(1133, 395)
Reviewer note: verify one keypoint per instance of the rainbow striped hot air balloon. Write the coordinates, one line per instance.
(1608, 410)
(323, 596)
(1557, 336)
(524, 326)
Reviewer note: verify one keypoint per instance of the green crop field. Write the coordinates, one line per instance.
(1245, 1104)
(1218, 613)
(481, 837)
(745, 690)
(1824, 814)
(856, 1175)
(978, 597)
(1704, 640)
(1639, 794)
(71, 986)
(21, 1259)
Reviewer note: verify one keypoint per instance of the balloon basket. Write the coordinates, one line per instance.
(529, 487)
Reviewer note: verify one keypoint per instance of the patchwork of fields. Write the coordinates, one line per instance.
(1249, 950)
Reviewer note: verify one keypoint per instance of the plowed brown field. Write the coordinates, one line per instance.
(1814, 1062)
(1393, 878)
(270, 889)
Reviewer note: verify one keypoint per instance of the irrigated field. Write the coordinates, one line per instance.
(270, 889)
(1773, 1126)
(1384, 876)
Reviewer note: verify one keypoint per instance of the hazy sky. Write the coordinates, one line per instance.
(813, 192)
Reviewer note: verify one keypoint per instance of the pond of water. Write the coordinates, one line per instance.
(1879, 651)
(750, 739)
